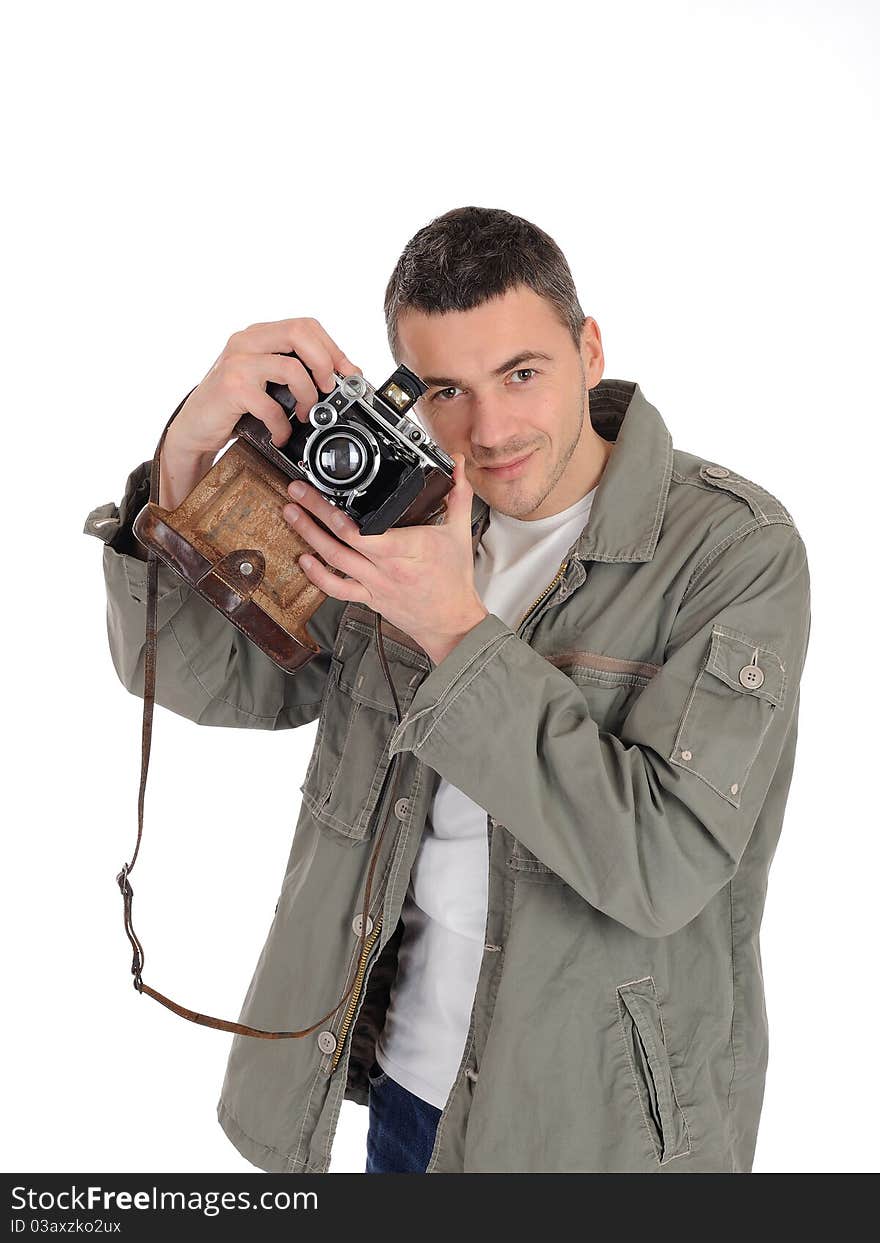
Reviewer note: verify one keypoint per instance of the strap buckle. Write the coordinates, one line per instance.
(137, 958)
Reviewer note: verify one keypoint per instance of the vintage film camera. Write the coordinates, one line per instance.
(363, 451)
(228, 537)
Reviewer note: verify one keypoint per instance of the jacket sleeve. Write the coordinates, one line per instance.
(648, 824)
(206, 669)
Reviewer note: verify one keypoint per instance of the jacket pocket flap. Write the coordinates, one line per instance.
(360, 673)
(731, 653)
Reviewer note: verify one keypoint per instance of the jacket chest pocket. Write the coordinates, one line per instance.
(609, 688)
(730, 707)
(344, 779)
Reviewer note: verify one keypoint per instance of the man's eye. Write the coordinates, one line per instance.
(438, 396)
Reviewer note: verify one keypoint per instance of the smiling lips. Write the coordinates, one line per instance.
(509, 469)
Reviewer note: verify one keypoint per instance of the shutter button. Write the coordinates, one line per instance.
(401, 808)
(717, 472)
(357, 924)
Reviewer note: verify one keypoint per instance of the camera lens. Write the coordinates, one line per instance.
(341, 459)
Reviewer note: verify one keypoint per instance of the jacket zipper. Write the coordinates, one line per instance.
(548, 588)
(356, 992)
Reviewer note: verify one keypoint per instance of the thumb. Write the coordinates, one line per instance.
(460, 499)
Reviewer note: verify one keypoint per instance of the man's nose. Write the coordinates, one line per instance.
(492, 423)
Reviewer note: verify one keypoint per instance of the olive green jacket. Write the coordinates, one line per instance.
(632, 742)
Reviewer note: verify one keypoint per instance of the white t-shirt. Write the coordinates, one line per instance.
(445, 908)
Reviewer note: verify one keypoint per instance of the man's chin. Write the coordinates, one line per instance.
(513, 506)
(516, 498)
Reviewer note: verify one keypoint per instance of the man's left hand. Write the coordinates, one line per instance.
(420, 578)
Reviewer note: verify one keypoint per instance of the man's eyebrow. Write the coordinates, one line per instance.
(442, 381)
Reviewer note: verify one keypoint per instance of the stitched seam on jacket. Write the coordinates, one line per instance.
(295, 1157)
(322, 722)
(404, 834)
(705, 562)
(431, 707)
(733, 1002)
(678, 477)
(259, 1143)
(734, 802)
(731, 632)
(687, 1131)
(774, 516)
(779, 514)
(746, 487)
(662, 493)
(356, 831)
(740, 636)
(462, 688)
(324, 795)
(355, 623)
(621, 1008)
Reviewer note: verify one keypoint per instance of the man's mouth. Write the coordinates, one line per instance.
(509, 469)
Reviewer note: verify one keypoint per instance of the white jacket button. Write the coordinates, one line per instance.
(357, 924)
(326, 1042)
(401, 808)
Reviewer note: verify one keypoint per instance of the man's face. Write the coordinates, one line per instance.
(506, 383)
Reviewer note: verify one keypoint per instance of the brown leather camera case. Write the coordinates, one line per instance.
(230, 541)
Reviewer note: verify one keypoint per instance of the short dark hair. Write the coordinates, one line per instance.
(470, 254)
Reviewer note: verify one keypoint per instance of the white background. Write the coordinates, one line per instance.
(178, 171)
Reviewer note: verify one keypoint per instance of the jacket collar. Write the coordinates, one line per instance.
(627, 511)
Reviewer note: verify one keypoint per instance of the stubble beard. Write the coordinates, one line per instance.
(520, 506)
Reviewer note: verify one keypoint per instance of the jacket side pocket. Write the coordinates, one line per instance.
(641, 1024)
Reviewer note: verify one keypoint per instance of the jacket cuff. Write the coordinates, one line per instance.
(447, 684)
(112, 525)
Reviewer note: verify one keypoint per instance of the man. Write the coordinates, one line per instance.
(597, 656)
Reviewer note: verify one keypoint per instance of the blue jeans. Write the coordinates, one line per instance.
(401, 1130)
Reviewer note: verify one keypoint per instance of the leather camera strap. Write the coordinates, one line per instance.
(122, 878)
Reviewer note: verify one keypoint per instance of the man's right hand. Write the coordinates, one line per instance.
(235, 385)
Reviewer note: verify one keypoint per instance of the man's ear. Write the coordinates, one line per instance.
(591, 351)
